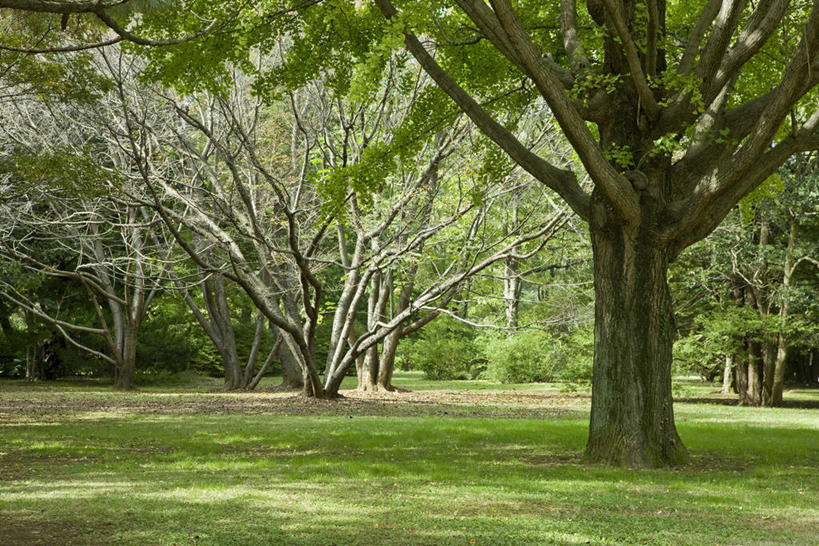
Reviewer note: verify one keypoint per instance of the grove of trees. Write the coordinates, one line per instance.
(336, 186)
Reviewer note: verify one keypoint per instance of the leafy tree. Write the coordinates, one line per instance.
(750, 295)
(675, 110)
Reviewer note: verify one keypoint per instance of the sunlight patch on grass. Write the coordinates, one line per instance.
(209, 475)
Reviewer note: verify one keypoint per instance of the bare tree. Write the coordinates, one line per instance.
(105, 239)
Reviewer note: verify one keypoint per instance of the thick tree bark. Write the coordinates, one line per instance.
(632, 419)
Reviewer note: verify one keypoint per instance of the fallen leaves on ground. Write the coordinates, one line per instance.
(19, 407)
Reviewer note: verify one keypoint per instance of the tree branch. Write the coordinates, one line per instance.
(726, 22)
(62, 49)
(762, 24)
(126, 35)
(707, 16)
(571, 40)
(638, 76)
(562, 181)
(615, 187)
(57, 6)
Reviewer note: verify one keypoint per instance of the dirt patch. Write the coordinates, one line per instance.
(22, 408)
(49, 533)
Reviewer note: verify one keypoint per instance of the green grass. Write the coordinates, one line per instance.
(486, 464)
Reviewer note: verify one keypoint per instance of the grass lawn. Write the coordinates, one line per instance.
(455, 462)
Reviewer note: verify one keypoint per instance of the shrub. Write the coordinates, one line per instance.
(525, 357)
(446, 349)
(536, 356)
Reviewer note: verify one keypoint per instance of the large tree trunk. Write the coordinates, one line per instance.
(632, 418)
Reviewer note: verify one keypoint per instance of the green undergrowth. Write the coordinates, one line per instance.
(338, 476)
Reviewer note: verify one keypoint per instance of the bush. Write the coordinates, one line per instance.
(578, 356)
(525, 357)
(536, 356)
(446, 349)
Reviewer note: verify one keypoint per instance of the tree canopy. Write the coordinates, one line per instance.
(674, 112)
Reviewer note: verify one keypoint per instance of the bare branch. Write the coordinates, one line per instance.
(571, 40)
(762, 24)
(126, 35)
(707, 16)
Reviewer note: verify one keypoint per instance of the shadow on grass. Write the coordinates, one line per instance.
(790, 404)
(263, 505)
(411, 478)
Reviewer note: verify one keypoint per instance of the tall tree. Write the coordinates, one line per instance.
(672, 137)
(674, 110)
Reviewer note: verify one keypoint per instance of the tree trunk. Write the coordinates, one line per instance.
(778, 381)
(387, 365)
(31, 363)
(380, 294)
(390, 345)
(754, 394)
(511, 280)
(742, 382)
(779, 372)
(632, 418)
(727, 375)
(313, 386)
(234, 378)
(769, 353)
(511, 293)
(291, 373)
(127, 362)
(369, 371)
